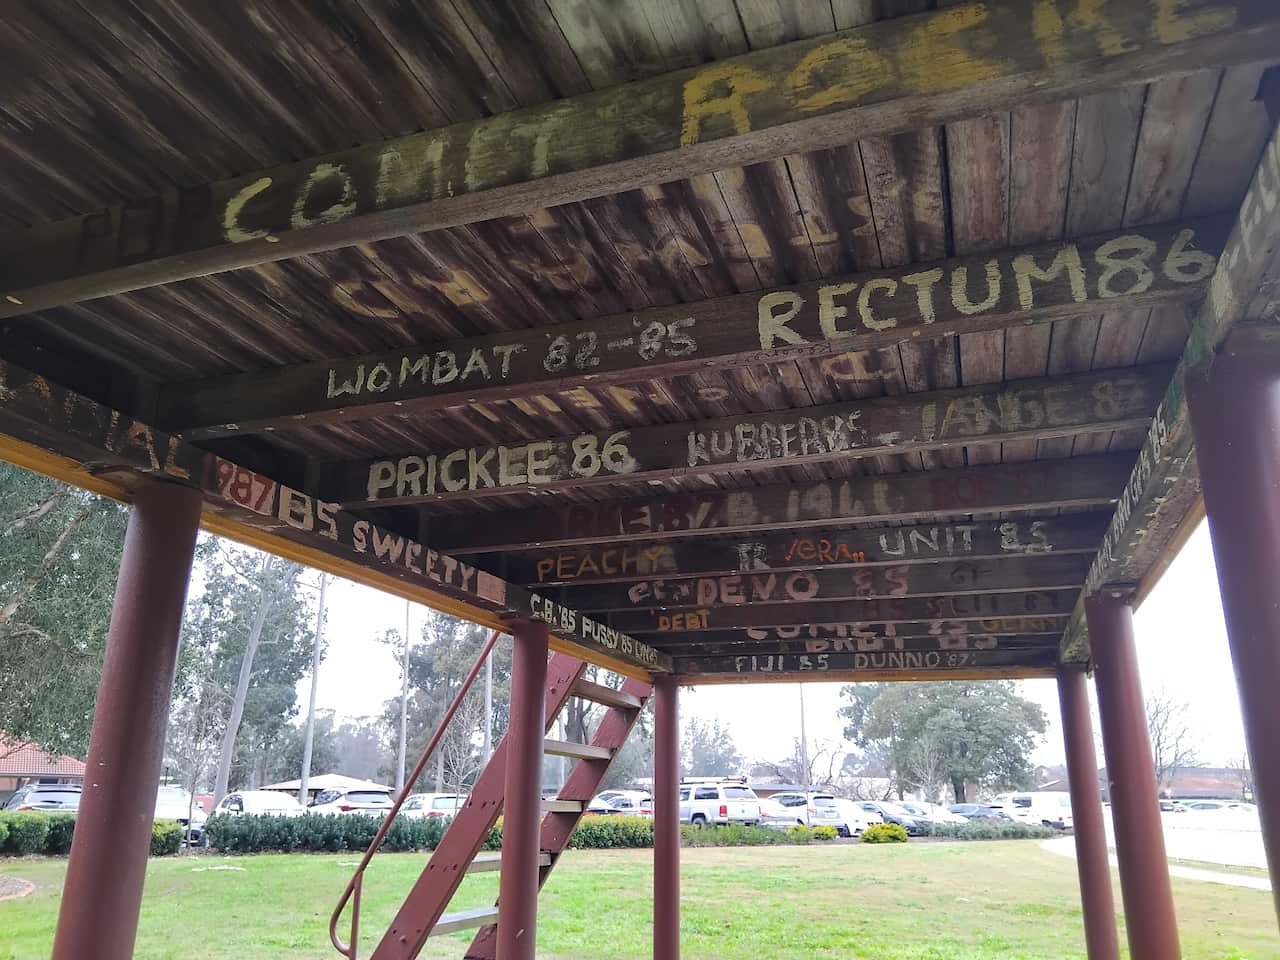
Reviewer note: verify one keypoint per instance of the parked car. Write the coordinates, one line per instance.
(374, 803)
(247, 802)
(175, 803)
(1171, 806)
(627, 803)
(854, 818)
(807, 809)
(978, 811)
(931, 812)
(46, 798)
(1048, 808)
(892, 813)
(424, 806)
(1219, 806)
(708, 802)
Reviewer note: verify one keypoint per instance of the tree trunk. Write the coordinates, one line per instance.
(440, 768)
(957, 786)
(265, 602)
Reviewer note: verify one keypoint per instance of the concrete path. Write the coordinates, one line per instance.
(1066, 847)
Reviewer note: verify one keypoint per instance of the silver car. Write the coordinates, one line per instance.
(808, 809)
(46, 798)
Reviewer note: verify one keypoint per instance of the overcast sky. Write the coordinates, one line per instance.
(1182, 649)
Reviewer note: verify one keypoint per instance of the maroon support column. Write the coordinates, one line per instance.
(1135, 805)
(522, 794)
(103, 889)
(1098, 906)
(666, 819)
(1235, 413)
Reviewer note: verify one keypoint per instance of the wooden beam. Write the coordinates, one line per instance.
(905, 664)
(685, 627)
(39, 412)
(1096, 402)
(989, 610)
(1142, 266)
(1077, 482)
(704, 645)
(802, 586)
(928, 543)
(1164, 487)
(879, 79)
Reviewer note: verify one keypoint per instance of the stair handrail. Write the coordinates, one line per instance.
(355, 885)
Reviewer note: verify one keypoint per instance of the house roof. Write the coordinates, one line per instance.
(29, 760)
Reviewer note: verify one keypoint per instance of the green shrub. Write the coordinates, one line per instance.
(730, 835)
(493, 839)
(992, 830)
(61, 827)
(825, 833)
(799, 833)
(885, 833)
(602, 833)
(166, 837)
(27, 833)
(4, 830)
(318, 833)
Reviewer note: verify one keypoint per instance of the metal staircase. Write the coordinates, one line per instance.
(422, 914)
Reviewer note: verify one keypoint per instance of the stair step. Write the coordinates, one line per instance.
(489, 862)
(579, 751)
(598, 693)
(561, 806)
(465, 920)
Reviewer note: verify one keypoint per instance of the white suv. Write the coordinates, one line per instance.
(810, 810)
(707, 802)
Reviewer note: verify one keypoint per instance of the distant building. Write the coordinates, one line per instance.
(21, 763)
(1189, 783)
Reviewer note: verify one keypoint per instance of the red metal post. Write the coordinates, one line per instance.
(1096, 901)
(522, 794)
(1235, 414)
(103, 889)
(666, 818)
(1135, 807)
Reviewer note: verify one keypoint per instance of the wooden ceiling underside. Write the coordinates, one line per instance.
(649, 405)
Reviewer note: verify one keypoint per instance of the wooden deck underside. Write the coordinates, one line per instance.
(849, 411)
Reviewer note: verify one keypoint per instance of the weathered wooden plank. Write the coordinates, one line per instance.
(803, 586)
(1083, 403)
(853, 641)
(1079, 482)
(685, 629)
(877, 79)
(1165, 483)
(40, 412)
(1135, 268)
(989, 610)
(936, 664)
(831, 548)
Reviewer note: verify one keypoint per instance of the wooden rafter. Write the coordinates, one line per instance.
(878, 79)
(1097, 402)
(926, 543)
(1128, 269)
(1077, 482)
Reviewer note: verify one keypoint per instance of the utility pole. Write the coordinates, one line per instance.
(404, 701)
(487, 750)
(309, 736)
(804, 744)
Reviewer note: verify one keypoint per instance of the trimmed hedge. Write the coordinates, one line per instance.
(31, 832)
(603, 833)
(317, 833)
(825, 833)
(885, 833)
(731, 835)
(166, 837)
(992, 830)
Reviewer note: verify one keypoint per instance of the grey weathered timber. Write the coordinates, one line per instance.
(1095, 402)
(1078, 482)
(687, 628)
(924, 543)
(992, 611)
(889, 664)
(883, 78)
(701, 645)
(1164, 486)
(1142, 266)
(802, 586)
(40, 412)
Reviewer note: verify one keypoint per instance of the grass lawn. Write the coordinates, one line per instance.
(920, 901)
